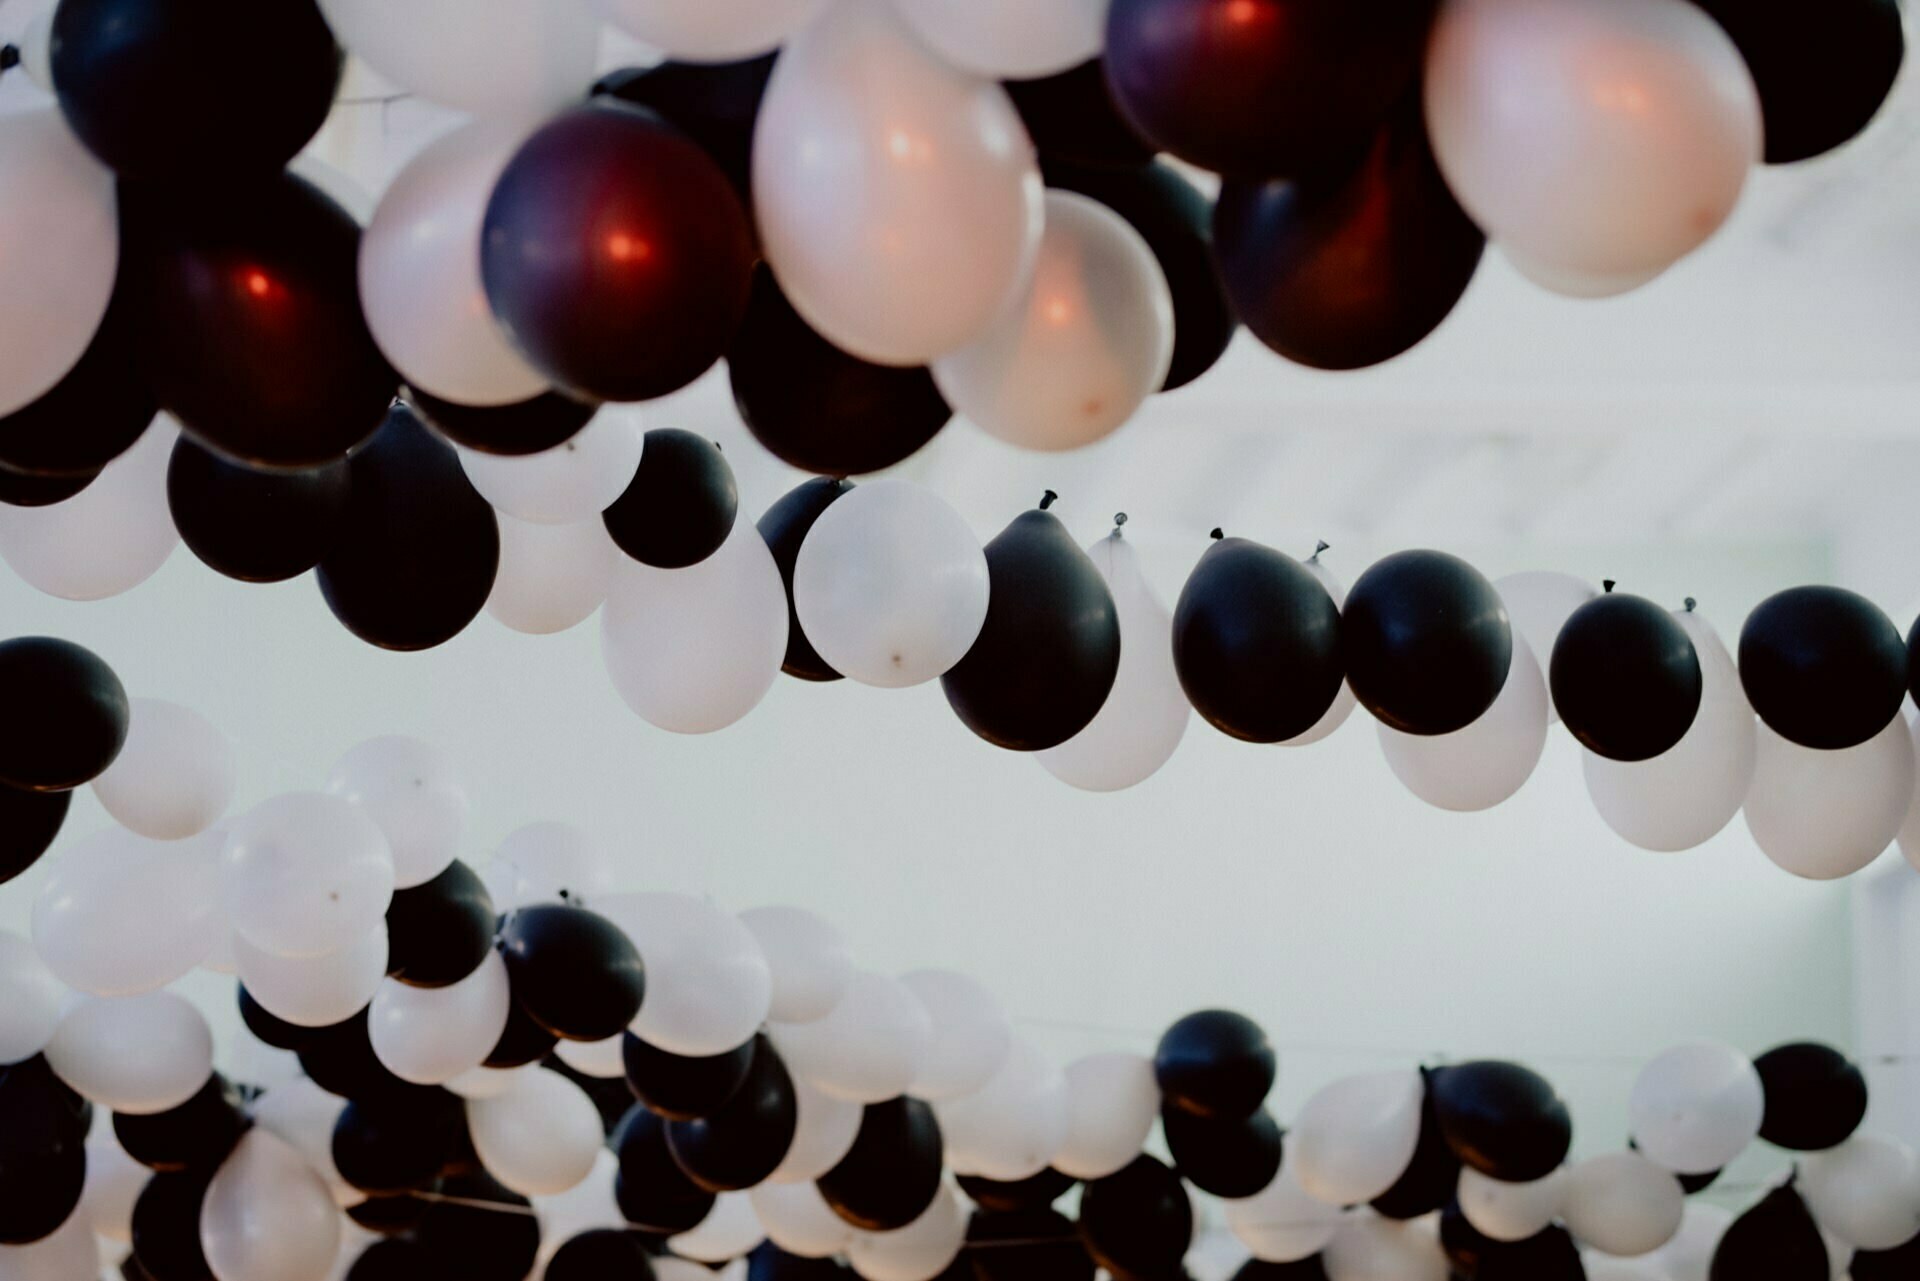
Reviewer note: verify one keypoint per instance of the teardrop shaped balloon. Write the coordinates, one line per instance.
(1777, 1238)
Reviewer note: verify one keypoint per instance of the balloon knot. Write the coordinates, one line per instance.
(1217, 534)
(1119, 518)
(1607, 583)
(1048, 499)
(1320, 545)
(1692, 604)
(9, 56)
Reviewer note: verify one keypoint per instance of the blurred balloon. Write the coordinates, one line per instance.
(513, 59)
(709, 986)
(598, 1252)
(440, 930)
(1626, 678)
(1227, 1159)
(1885, 1265)
(1371, 1248)
(920, 1251)
(20, 489)
(1011, 1126)
(134, 1054)
(1072, 118)
(304, 1116)
(1006, 39)
(714, 103)
(1823, 667)
(413, 794)
(483, 1242)
(304, 874)
(1866, 1191)
(166, 1225)
(870, 1048)
(539, 1138)
(67, 1251)
(684, 1087)
(67, 714)
(107, 539)
(1572, 282)
(1478, 767)
(1501, 1119)
(1355, 1137)
(429, 1036)
(572, 482)
(1426, 641)
(891, 1173)
(315, 991)
(255, 525)
(1824, 815)
(30, 1000)
(174, 776)
(97, 408)
(1215, 1063)
(1622, 1203)
(728, 1231)
(652, 1191)
(1775, 1238)
(43, 1158)
(1511, 1212)
(574, 972)
(1139, 1221)
(1816, 1097)
(680, 505)
(740, 1143)
(1696, 1107)
(785, 528)
(825, 1133)
(551, 577)
(547, 862)
(798, 1220)
(1112, 1102)
(1281, 1223)
(267, 1216)
(972, 1035)
(122, 914)
(29, 822)
(704, 31)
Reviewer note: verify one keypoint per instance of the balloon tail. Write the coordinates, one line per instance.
(1048, 499)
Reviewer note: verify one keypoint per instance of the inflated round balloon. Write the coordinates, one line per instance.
(109, 537)
(681, 1087)
(43, 1157)
(871, 1047)
(799, 1222)
(1046, 658)
(1072, 118)
(1230, 1159)
(317, 991)
(1885, 1265)
(831, 177)
(1865, 1191)
(710, 32)
(616, 253)
(1626, 678)
(304, 874)
(540, 1137)
(891, 1173)
(513, 59)
(1816, 1096)
(1426, 641)
(573, 481)
(1545, 153)
(1431, 1179)
(1825, 815)
(197, 1133)
(1350, 265)
(174, 776)
(413, 794)
(547, 862)
(597, 1253)
(1823, 667)
(547, 421)
(440, 930)
(972, 1036)
(890, 586)
(1281, 1223)
(817, 407)
(136, 1054)
(1215, 1063)
(680, 505)
(256, 525)
(429, 1036)
(1112, 1102)
(1776, 1238)
(708, 985)
(810, 961)
(714, 103)
(1501, 1119)
(252, 331)
(95, 412)
(267, 1214)
(728, 1231)
(573, 970)
(1482, 765)
(1355, 1138)
(1572, 282)
(1009, 1129)
(152, 90)
(1261, 87)
(29, 822)
(66, 714)
(1088, 340)
(551, 577)
(1138, 1222)
(1696, 1107)
(826, 1131)
(785, 528)
(121, 914)
(1622, 1203)
(926, 1248)
(741, 1142)
(1510, 1212)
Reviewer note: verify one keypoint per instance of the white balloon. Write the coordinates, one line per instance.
(429, 1036)
(1606, 137)
(798, 1220)
(136, 1054)
(972, 1035)
(809, 959)
(540, 1137)
(314, 991)
(551, 577)
(1010, 1128)
(601, 1059)
(586, 1206)
(303, 1115)
(1571, 282)
(1510, 1211)
(693, 650)
(1282, 1224)
(1010, 39)
(1539, 602)
(1909, 834)
(1478, 767)
(268, 1216)
(1622, 1203)
(574, 481)
(1865, 1191)
(729, 1231)
(108, 538)
(175, 775)
(869, 1049)
(516, 59)
(1355, 1137)
(413, 794)
(825, 1132)
(305, 874)
(122, 914)
(546, 862)
(898, 199)
(1684, 796)
(920, 1251)
(1696, 1107)
(1689, 1256)
(1604, 1267)
(1112, 1103)
(710, 30)
(1081, 350)
(486, 1082)
(708, 985)
(420, 271)
(114, 1183)
(68, 1253)
(1344, 702)
(31, 1000)
(59, 252)
(1824, 815)
(1369, 1247)
(1146, 713)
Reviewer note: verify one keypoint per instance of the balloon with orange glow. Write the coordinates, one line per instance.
(616, 254)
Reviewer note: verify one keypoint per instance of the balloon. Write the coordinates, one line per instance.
(855, 109)
(785, 528)
(1036, 1192)
(1816, 1097)
(570, 483)
(1696, 1107)
(1571, 282)
(1622, 1203)
(601, 1252)
(920, 1251)
(42, 1154)
(601, 1060)
(1072, 118)
(413, 794)
(694, 650)
(588, 1206)
(107, 539)
(421, 548)
(67, 714)
(484, 1244)
(439, 931)
(1626, 678)
(29, 821)
(514, 59)
(1281, 1223)
(1112, 1102)
(267, 1216)
(1355, 1138)
(314, 991)
(1866, 1191)
(194, 1134)
(1024, 1245)
(540, 1137)
(709, 32)
(254, 525)
(817, 407)
(1010, 1128)
(420, 272)
(137, 1054)
(1501, 1119)
(1482, 765)
(305, 874)
(616, 254)
(429, 1036)
(174, 776)
(798, 1220)
(534, 426)
(30, 1000)
(524, 1042)
(1884, 1265)
(267, 1028)
(1776, 1238)
(729, 1231)
(890, 586)
(680, 505)
(1510, 1212)
(891, 1174)
(872, 1047)
(708, 984)
(1215, 1063)
(825, 1134)
(1820, 82)
(1823, 667)
(1824, 815)
(1371, 1248)
(652, 1191)
(1348, 266)
(1087, 342)
(1226, 1158)
(339, 1058)
(122, 914)
(551, 577)
(1558, 163)
(1426, 641)
(166, 1225)
(972, 1035)
(545, 862)
(68, 1251)
(713, 103)
(1007, 40)
(1138, 1222)
(744, 1140)
(683, 1088)
(252, 331)
(18, 489)
(573, 970)
(1548, 1255)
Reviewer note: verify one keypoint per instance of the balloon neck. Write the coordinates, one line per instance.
(1608, 584)
(1691, 604)
(1217, 534)
(9, 57)
(1048, 499)
(1319, 545)
(1119, 520)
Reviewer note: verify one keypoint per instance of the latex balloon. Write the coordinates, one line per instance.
(601, 1252)
(174, 776)
(429, 1036)
(29, 821)
(1226, 1158)
(625, 289)
(870, 1048)
(710, 32)
(516, 59)
(551, 577)
(195, 1134)
(547, 862)
(166, 1225)
(785, 528)
(1072, 118)
(1668, 161)
(267, 1216)
(972, 1035)
(479, 1241)
(1426, 641)
(254, 525)
(439, 931)
(1549, 1255)
(1482, 765)
(1355, 1138)
(825, 1134)
(920, 1251)
(573, 970)
(1112, 1102)
(1885, 1265)
(30, 1000)
(713, 103)
(1815, 1096)
(107, 539)
(252, 331)
(414, 796)
(708, 984)
(683, 1088)
(524, 427)
(1865, 1191)
(680, 505)
(1510, 1212)
(799, 1221)
(1371, 1248)
(122, 914)
(540, 1137)
(268, 1028)
(1824, 815)
(1139, 1221)
(1430, 1180)
(817, 407)
(729, 1231)
(1689, 1255)
(1215, 1063)
(1281, 1223)
(339, 1058)
(652, 1191)
(18, 489)
(100, 405)
(891, 1174)
(1823, 667)
(1348, 265)
(418, 557)
(1572, 282)
(315, 991)
(43, 1156)
(305, 874)
(1012, 1126)
(1776, 1238)
(744, 1140)
(1501, 1119)
(830, 177)
(1074, 357)
(1626, 678)
(136, 1054)
(890, 586)
(1007, 40)
(572, 482)
(1696, 1107)
(1622, 1203)
(67, 714)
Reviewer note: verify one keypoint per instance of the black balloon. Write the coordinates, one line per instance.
(573, 971)
(256, 525)
(1036, 1192)
(680, 505)
(784, 528)
(476, 1243)
(1625, 677)
(610, 1095)
(1816, 1097)
(1256, 642)
(1549, 1255)
(396, 1259)
(23, 489)
(43, 1158)
(891, 1174)
(29, 822)
(1502, 1119)
(416, 561)
(1427, 642)
(602, 1254)
(1307, 1269)
(1071, 116)
(64, 712)
(386, 1146)
(769, 1262)
(652, 1190)
(94, 413)
(1431, 1178)
(341, 1061)
(525, 427)
(681, 1088)
(1901, 1263)
(1138, 1222)
(252, 332)
(1026, 1245)
(1776, 1239)
(1823, 667)
(1215, 1063)
(439, 931)
(1229, 1158)
(196, 1134)
(1350, 265)
(270, 1028)
(713, 103)
(820, 408)
(521, 1042)
(745, 1140)
(1046, 657)
(166, 1226)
